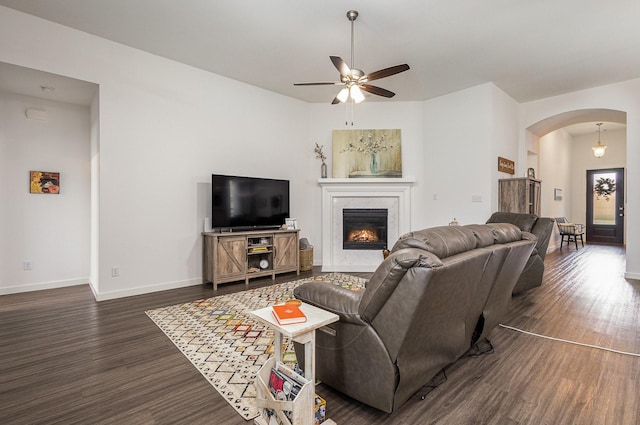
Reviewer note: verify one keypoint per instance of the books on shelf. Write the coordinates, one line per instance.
(288, 314)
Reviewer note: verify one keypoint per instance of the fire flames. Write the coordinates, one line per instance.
(362, 235)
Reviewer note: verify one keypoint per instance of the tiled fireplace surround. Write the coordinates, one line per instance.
(394, 194)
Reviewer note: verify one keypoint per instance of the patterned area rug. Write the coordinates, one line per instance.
(225, 344)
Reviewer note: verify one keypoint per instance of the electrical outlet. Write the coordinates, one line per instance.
(476, 198)
(115, 271)
(27, 265)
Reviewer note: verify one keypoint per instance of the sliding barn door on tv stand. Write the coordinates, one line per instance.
(229, 257)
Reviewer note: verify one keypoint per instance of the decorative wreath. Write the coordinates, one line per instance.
(604, 187)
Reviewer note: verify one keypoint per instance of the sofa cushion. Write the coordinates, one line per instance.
(443, 241)
(505, 232)
(388, 275)
(524, 221)
(485, 235)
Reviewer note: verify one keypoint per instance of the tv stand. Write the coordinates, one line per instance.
(237, 255)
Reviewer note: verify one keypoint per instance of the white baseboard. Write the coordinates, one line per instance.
(140, 290)
(553, 247)
(632, 275)
(18, 289)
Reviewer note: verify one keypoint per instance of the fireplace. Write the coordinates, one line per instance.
(364, 228)
(337, 194)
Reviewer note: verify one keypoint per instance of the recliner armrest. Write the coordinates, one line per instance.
(331, 297)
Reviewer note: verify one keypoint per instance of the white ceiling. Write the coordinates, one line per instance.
(530, 49)
(592, 128)
(30, 82)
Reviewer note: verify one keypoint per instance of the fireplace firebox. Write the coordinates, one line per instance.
(364, 228)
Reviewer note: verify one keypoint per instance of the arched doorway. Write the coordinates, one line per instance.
(562, 145)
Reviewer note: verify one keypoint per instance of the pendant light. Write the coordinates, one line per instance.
(599, 149)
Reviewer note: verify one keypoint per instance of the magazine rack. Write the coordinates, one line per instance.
(302, 407)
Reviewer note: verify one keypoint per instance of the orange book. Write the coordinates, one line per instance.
(288, 314)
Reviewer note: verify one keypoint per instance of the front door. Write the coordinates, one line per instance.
(605, 206)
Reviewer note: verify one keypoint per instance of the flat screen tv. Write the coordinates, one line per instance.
(245, 203)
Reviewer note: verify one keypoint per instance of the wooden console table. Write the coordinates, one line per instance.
(303, 333)
(232, 256)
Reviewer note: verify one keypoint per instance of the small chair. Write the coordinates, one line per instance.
(572, 231)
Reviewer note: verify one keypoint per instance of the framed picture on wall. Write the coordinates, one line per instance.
(367, 153)
(557, 194)
(44, 182)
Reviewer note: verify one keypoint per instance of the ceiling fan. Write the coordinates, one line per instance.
(355, 80)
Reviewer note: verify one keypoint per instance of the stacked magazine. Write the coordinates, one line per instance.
(285, 384)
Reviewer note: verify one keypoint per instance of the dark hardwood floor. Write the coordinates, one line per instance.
(66, 359)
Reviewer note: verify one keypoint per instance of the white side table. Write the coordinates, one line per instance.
(303, 333)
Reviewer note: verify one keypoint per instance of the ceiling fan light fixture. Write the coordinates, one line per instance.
(343, 95)
(599, 149)
(356, 94)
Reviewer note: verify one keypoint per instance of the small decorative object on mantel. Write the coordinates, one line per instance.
(454, 222)
(506, 165)
(321, 156)
(44, 182)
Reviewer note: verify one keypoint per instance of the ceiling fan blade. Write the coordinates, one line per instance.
(387, 72)
(377, 90)
(340, 65)
(335, 101)
(316, 84)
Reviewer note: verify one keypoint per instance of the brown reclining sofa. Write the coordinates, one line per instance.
(439, 291)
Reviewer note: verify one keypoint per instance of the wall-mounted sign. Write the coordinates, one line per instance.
(506, 165)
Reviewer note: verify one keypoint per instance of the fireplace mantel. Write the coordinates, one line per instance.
(367, 181)
(391, 193)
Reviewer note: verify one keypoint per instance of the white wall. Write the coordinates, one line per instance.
(450, 146)
(51, 231)
(625, 97)
(555, 154)
(164, 128)
(95, 192)
(324, 118)
(464, 134)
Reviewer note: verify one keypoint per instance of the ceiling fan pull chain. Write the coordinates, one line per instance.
(352, 109)
(346, 113)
